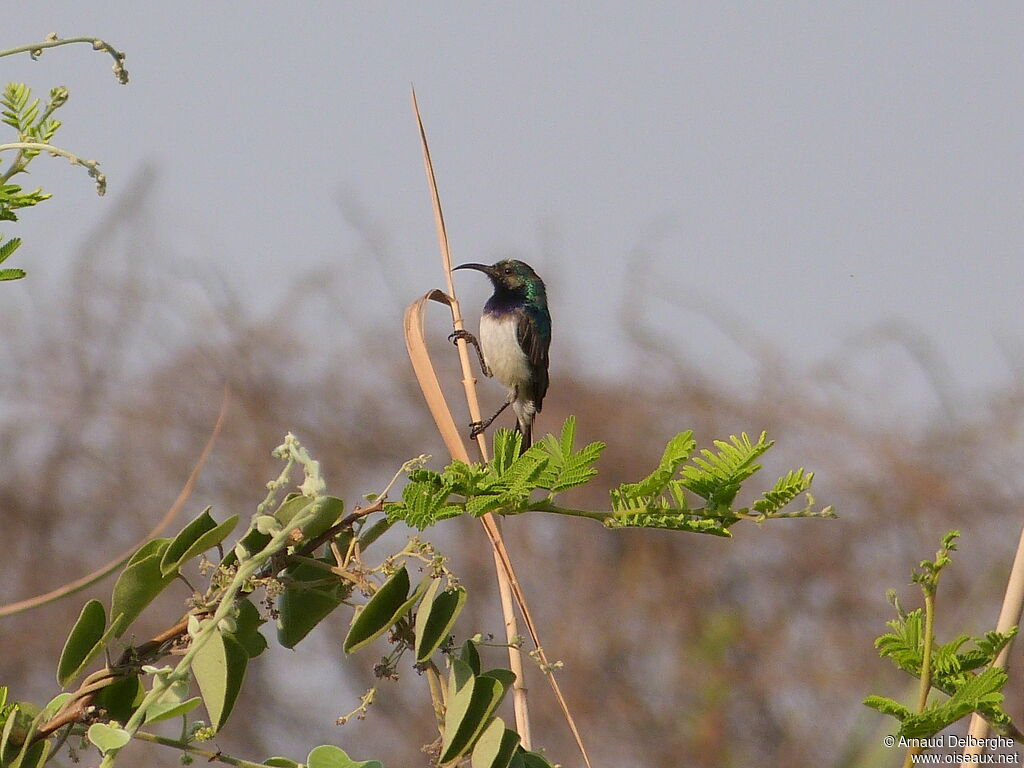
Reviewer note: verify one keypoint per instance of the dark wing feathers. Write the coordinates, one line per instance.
(534, 341)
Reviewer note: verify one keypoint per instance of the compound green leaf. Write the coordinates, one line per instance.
(436, 617)
(83, 643)
(219, 668)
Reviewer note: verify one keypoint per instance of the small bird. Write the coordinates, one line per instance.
(515, 333)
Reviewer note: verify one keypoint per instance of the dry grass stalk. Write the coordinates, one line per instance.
(508, 584)
(1009, 616)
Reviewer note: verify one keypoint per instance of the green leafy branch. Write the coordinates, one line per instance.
(961, 669)
(36, 126)
(509, 483)
(305, 554)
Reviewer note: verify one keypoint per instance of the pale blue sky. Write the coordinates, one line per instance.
(808, 168)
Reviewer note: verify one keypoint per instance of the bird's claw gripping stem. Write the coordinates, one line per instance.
(469, 338)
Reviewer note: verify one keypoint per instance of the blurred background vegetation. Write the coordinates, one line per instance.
(754, 651)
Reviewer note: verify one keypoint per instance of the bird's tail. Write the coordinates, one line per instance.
(526, 430)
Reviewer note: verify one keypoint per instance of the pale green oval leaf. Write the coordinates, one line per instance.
(107, 738)
(328, 511)
(201, 534)
(461, 734)
(139, 583)
(281, 762)
(167, 710)
(82, 645)
(219, 668)
(301, 607)
(495, 747)
(380, 612)
(329, 756)
(436, 617)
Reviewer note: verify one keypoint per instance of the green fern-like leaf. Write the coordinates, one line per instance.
(993, 643)
(904, 644)
(8, 248)
(506, 446)
(17, 110)
(669, 521)
(888, 706)
(423, 504)
(566, 468)
(979, 692)
(786, 488)
(641, 493)
(716, 476)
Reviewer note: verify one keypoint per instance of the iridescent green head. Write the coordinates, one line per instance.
(511, 275)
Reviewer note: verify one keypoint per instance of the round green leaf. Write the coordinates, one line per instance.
(436, 617)
(219, 668)
(108, 738)
(329, 756)
(82, 645)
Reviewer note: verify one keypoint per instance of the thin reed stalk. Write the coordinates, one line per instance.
(508, 585)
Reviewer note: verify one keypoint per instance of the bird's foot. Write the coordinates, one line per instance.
(476, 428)
(469, 338)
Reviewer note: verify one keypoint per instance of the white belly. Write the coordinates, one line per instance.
(502, 352)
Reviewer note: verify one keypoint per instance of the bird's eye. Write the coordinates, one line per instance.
(508, 270)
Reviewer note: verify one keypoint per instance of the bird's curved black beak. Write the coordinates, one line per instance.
(486, 269)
